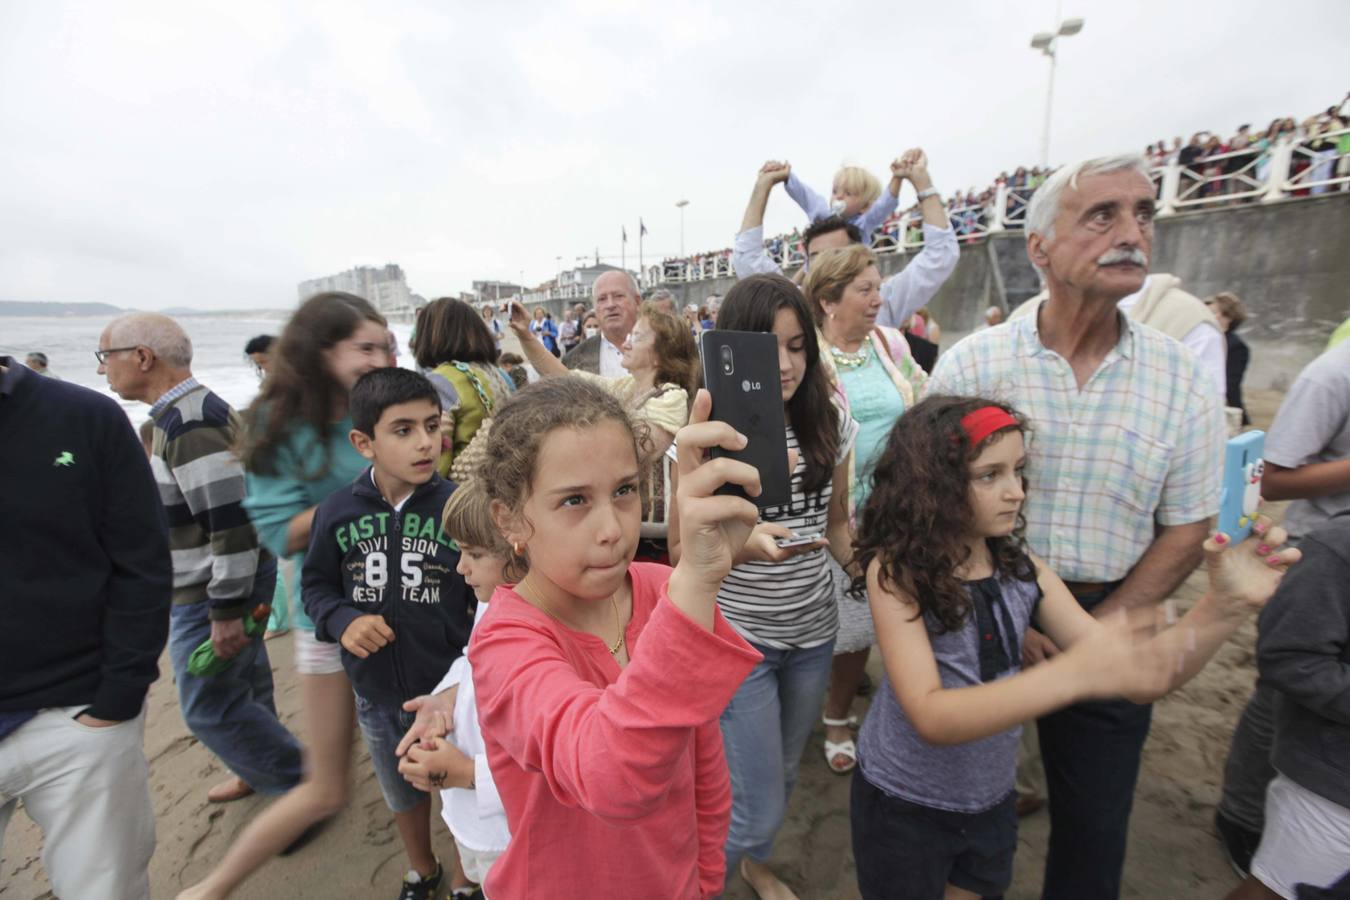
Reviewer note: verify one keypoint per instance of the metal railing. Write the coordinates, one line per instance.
(1014, 203)
(698, 268)
(1318, 164)
(1219, 178)
(1287, 170)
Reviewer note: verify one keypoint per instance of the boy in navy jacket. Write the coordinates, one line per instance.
(380, 579)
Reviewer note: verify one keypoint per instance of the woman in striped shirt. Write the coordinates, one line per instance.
(781, 600)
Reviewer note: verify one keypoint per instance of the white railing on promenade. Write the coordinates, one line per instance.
(1287, 170)
(696, 268)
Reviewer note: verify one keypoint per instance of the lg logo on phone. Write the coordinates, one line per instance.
(749, 385)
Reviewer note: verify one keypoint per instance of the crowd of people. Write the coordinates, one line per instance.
(1215, 168)
(1211, 162)
(541, 585)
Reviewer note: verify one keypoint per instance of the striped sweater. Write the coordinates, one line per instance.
(201, 484)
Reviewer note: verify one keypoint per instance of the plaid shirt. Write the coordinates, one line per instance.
(1141, 442)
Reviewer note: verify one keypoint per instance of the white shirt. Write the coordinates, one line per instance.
(611, 359)
(475, 817)
(1204, 340)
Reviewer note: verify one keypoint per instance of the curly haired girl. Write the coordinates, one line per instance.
(953, 590)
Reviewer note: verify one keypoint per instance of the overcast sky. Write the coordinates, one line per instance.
(214, 154)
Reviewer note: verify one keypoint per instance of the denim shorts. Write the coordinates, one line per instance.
(904, 850)
(383, 727)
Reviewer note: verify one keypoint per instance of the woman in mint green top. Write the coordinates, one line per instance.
(295, 453)
(874, 405)
(273, 501)
(876, 380)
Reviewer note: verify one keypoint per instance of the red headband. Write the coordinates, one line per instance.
(985, 421)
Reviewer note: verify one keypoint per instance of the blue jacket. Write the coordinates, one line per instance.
(547, 333)
(367, 558)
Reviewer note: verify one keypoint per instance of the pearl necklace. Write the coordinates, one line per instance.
(853, 360)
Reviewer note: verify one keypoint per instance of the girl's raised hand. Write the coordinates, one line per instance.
(1243, 577)
(1120, 658)
(713, 527)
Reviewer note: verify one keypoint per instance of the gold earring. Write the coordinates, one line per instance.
(517, 549)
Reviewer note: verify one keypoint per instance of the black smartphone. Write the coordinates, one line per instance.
(740, 371)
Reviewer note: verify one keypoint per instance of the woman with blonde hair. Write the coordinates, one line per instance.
(875, 379)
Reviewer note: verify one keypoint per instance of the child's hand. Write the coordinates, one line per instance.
(1243, 578)
(366, 635)
(1121, 658)
(436, 764)
(433, 711)
(713, 527)
(773, 172)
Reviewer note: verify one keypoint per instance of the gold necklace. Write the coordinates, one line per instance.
(539, 602)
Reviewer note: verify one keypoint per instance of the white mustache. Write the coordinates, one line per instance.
(1130, 255)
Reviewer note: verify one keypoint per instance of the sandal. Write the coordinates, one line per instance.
(847, 748)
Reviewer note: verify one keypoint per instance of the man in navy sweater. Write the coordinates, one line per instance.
(85, 586)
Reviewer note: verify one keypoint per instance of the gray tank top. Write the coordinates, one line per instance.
(970, 777)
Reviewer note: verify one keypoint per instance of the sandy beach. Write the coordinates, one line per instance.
(1173, 852)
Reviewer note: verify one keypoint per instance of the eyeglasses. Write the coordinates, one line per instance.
(102, 355)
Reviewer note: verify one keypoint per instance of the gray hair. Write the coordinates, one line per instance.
(628, 276)
(1044, 206)
(160, 333)
(662, 294)
(714, 302)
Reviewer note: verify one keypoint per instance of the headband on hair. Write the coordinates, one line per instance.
(984, 421)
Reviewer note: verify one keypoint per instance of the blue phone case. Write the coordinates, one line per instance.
(1243, 467)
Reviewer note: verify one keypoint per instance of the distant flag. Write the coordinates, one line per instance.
(625, 233)
(642, 229)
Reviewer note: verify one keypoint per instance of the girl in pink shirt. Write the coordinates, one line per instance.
(600, 680)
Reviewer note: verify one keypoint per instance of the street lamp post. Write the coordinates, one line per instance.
(682, 204)
(1046, 42)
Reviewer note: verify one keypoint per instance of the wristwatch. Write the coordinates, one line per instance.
(926, 193)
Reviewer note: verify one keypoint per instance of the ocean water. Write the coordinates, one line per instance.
(218, 358)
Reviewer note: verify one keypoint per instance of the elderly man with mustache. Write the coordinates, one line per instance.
(1123, 475)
